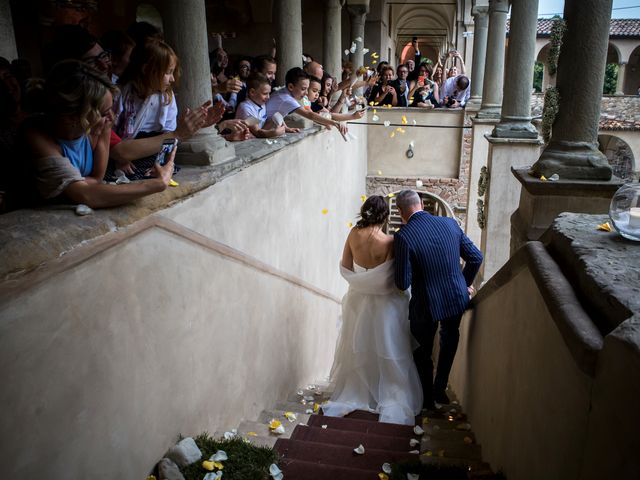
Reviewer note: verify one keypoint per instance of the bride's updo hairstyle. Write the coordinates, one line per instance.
(374, 211)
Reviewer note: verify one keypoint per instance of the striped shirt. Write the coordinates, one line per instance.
(427, 253)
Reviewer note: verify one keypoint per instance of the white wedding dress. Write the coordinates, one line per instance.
(373, 366)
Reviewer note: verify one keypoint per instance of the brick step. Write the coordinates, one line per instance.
(339, 455)
(301, 470)
(347, 438)
(350, 424)
(474, 467)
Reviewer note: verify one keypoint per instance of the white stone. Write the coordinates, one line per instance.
(168, 470)
(185, 452)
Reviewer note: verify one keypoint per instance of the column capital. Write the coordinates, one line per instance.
(622, 63)
(480, 11)
(499, 6)
(357, 10)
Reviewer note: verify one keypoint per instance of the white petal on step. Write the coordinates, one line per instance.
(386, 123)
(278, 430)
(386, 468)
(416, 452)
(375, 118)
(365, 51)
(324, 426)
(219, 456)
(346, 52)
(359, 450)
(418, 430)
(275, 472)
(413, 476)
(414, 442)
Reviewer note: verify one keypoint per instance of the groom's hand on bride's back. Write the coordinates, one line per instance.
(471, 291)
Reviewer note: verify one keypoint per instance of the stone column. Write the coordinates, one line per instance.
(480, 29)
(8, 47)
(622, 68)
(358, 15)
(186, 31)
(332, 50)
(494, 66)
(573, 151)
(288, 20)
(515, 120)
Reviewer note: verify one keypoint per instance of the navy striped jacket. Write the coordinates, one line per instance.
(427, 259)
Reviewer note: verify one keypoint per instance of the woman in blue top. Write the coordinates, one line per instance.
(70, 144)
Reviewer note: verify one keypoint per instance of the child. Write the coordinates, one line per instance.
(147, 106)
(253, 109)
(288, 100)
(315, 85)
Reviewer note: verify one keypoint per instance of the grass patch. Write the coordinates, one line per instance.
(246, 461)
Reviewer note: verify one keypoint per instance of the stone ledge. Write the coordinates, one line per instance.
(31, 237)
(566, 188)
(603, 267)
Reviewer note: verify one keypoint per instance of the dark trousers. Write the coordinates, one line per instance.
(424, 331)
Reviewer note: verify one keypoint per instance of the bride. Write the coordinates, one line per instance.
(373, 366)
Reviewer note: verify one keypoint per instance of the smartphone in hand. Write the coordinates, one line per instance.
(167, 147)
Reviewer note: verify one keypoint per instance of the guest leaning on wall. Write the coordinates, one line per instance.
(69, 144)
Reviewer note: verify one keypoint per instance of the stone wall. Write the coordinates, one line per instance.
(188, 320)
(616, 106)
(441, 155)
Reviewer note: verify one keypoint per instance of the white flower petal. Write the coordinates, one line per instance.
(414, 442)
(386, 468)
(359, 450)
(309, 411)
(375, 118)
(274, 469)
(365, 50)
(418, 183)
(229, 435)
(324, 426)
(300, 392)
(418, 430)
(416, 452)
(346, 52)
(386, 123)
(413, 476)
(278, 430)
(219, 456)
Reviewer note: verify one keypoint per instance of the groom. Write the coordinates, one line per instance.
(427, 258)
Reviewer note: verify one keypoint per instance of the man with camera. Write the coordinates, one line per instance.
(456, 91)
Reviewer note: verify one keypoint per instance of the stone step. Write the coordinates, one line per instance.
(339, 455)
(295, 407)
(347, 438)
(263, 435)
(377, 428)
(448, 448)
(266, 416)
(302, 470)
(474, 467)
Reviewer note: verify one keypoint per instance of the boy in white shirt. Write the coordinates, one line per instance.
(288, 100)
(253, 110)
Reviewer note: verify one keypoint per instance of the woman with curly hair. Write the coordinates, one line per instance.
(69, 144)
(373, 366)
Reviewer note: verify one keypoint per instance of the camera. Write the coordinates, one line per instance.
(167, 147)
(449, 101)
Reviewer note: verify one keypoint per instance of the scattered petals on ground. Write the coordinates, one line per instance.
(359, 450)
(418, 430)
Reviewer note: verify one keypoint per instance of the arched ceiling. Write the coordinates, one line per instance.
(432, 21)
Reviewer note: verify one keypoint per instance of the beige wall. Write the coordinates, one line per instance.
(437, 150)
(527, 401)
(107, 362)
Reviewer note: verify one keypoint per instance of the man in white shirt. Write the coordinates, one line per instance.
(456, 91)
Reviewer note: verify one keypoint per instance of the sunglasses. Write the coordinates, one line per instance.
(104, 56)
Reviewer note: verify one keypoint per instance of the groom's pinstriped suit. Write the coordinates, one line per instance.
(427, 259)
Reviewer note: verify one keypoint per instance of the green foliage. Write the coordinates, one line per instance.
(538, 70)
(557, 32)
(549, 112)
(246, 461)
(610, 79)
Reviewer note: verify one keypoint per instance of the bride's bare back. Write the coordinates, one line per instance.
(368, 247)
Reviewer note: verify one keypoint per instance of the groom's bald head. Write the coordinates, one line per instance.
(408, 202)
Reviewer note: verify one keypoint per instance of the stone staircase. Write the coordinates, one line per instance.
(314, 446)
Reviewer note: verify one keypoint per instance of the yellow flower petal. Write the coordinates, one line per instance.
(316, 407)
(393, 134)
(391, 195)
(151, 477)
(404, 120)
(375, 111)
(218, 465)
(349, 224)
(173, 183)
(373, 62)
(605, 227)
(252, 434)
(543, 178)
(273, 424)
(379, 172)
(207, 465)
(292, 417)
(325, 211)
(383, 476)
(364, 197)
